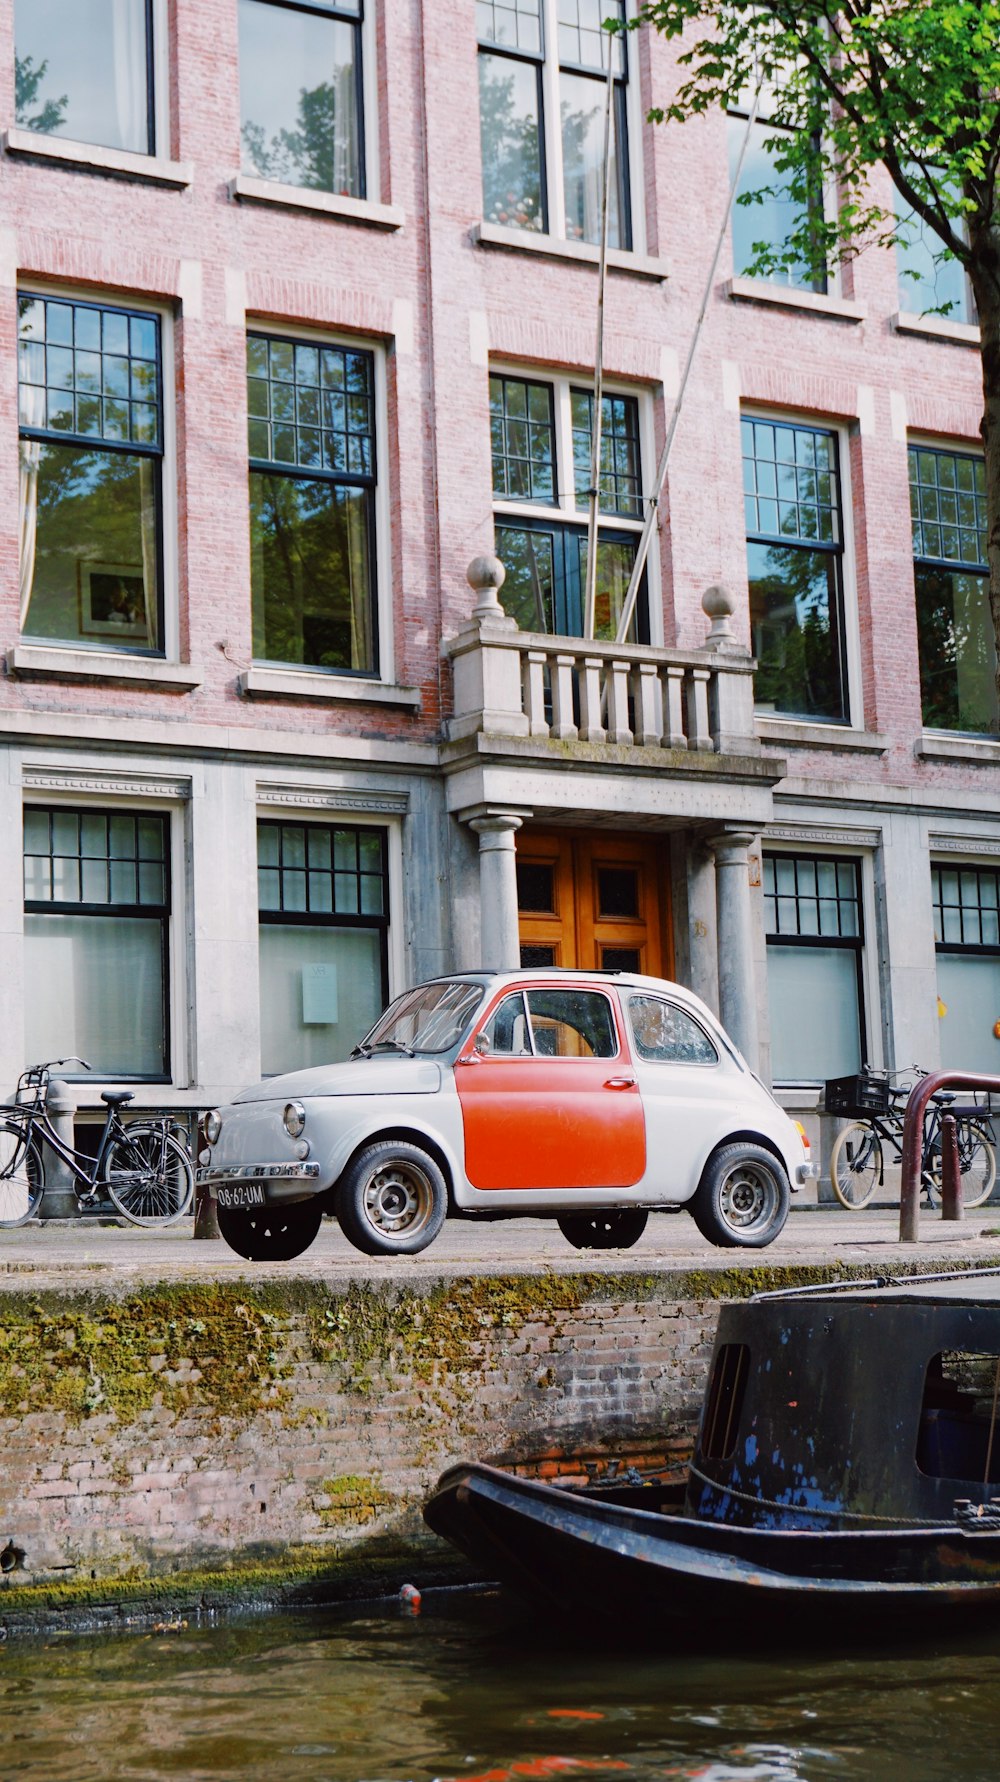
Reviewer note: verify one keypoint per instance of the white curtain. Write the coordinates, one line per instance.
(129, 30)
(32, 415)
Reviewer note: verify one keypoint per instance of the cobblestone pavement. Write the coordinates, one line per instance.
(54, 1252)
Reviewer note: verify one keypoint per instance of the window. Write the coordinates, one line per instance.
(324, 918)
(312, 504)
(780, 211)
(665, 1034)
(724, 1402)
(84, 69)
(958, 1437)
(91, 474)
(301, 101)
(951, 576)
(542, 99)
(812, 916)
(97, 904)
(967, 944)
(795, 566)
(930, 279)
(541, 441)
(553, 1024)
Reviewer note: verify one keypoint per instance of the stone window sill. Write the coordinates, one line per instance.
(818, 736)
(327, 204)
(937, 745)
(36, 661)
(89, 157)
(549, 247)
(937, 328)
(797, 1098)
(331, 689)
(817, 303)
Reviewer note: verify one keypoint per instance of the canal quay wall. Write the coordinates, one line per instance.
(179, 1446)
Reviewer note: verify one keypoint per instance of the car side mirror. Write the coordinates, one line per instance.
(482, 1044)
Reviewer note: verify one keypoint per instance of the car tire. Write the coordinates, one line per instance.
(743, 1197)
(392, 1200)
(271, 1234)
(615, 1230)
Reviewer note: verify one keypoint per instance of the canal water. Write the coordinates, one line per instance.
(472, 1689)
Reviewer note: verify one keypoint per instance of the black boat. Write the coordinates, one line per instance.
(848, 1446)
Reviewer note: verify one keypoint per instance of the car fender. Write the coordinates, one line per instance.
(335, 1142)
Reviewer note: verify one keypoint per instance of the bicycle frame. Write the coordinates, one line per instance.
(890, 1128)
(36, 1123)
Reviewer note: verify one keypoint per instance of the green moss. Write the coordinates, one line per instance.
(352, 1499)
(212, 1344)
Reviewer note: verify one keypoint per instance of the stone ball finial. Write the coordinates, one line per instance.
(718, 605)
(484, 576)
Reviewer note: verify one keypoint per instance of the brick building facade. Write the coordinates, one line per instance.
(266, 758)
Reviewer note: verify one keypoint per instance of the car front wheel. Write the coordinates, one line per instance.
(271, 1234)
(392, 1200)
(742, 1199)
(617, 1230)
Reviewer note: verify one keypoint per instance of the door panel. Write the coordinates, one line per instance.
(591, 901)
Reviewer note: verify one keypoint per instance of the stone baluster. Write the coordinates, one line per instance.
(699, 735)
(648, 705)
(563, 725)
(674, 734)
(591, 728)
(534, 692)
(619, 729)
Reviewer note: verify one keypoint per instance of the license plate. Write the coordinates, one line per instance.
(242, 1194)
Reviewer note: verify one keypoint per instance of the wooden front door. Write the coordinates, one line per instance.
(594, 900)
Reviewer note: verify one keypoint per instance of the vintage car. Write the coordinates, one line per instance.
(585, 1097)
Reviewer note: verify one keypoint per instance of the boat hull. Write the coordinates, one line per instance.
(590, 1552)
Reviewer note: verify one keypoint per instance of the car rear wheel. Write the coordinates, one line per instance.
(617, 1230)
(392, 1200)
(271, 1234)
(742, 1199)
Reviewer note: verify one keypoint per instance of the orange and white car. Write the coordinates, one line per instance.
(590, 1098)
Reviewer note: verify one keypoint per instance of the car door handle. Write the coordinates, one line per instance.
(620, 1083)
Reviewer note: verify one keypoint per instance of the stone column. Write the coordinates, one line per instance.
(737, 985)
(499, 944)
(59, 1200)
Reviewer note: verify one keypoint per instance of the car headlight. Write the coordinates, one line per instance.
(213, 1126)
(294, 1118)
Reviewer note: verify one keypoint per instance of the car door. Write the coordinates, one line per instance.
(549, 1096)
(686, 1089)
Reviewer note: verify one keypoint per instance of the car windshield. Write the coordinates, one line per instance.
(431, 1018)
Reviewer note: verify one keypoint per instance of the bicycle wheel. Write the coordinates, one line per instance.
(856, 1164)
(976, 1161)
(22, 1174)
(149, 1176)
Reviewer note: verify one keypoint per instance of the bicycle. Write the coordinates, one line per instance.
(857, 1160)
(145, 1170)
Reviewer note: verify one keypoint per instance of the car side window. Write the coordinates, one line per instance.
(666, 1034)
(506, 1032)
(572, 1024)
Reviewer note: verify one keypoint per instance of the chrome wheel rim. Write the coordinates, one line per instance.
(398, 1200)
(749, 1197)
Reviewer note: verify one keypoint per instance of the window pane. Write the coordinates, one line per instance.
(320, 991)
(572, 1024)
(930, 279)
(582, 108)
(815, 1022)
(666, 1034)
(299, 98)
(516, 23)
(582, 38)
(523, 440)
(619, 473)
(90, 549)
(957, 651)
(948, 505)
(97, 990)
(311, 578)
(321, 404)
(80, 70)
(615, 559)
(775, 217)
(795, 616)
(528, 592)
(969, 991)
(509, 127)
(77, 374)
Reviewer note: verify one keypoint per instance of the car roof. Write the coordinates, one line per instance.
(529, 973)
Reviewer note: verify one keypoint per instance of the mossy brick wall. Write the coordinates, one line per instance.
(198, 1427)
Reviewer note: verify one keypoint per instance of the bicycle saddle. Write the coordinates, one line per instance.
(116, 1098)
(944, 1096)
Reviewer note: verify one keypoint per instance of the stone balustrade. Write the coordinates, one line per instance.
(509, 682)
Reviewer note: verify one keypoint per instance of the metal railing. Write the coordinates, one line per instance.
(913, 1145)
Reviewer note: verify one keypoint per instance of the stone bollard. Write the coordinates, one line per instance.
(59, 1200)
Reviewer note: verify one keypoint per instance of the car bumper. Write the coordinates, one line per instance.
(805, 1172)
(259, 1184)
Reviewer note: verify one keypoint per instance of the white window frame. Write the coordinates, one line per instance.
(382, 555)
(752, 411)
(551, 134)
(370, 122)
(869, 1000)
(561, 383)
(175, 1001)
(164, 315)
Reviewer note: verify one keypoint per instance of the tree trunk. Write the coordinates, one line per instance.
(985, 276)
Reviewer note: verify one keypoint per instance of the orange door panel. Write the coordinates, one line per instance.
(595, 900)
(551, 1122)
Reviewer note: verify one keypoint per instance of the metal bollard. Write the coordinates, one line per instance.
(206, 1218)
(952, 1206)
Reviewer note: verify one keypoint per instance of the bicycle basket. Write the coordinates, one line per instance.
(32, 1086)
(867, 1093)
